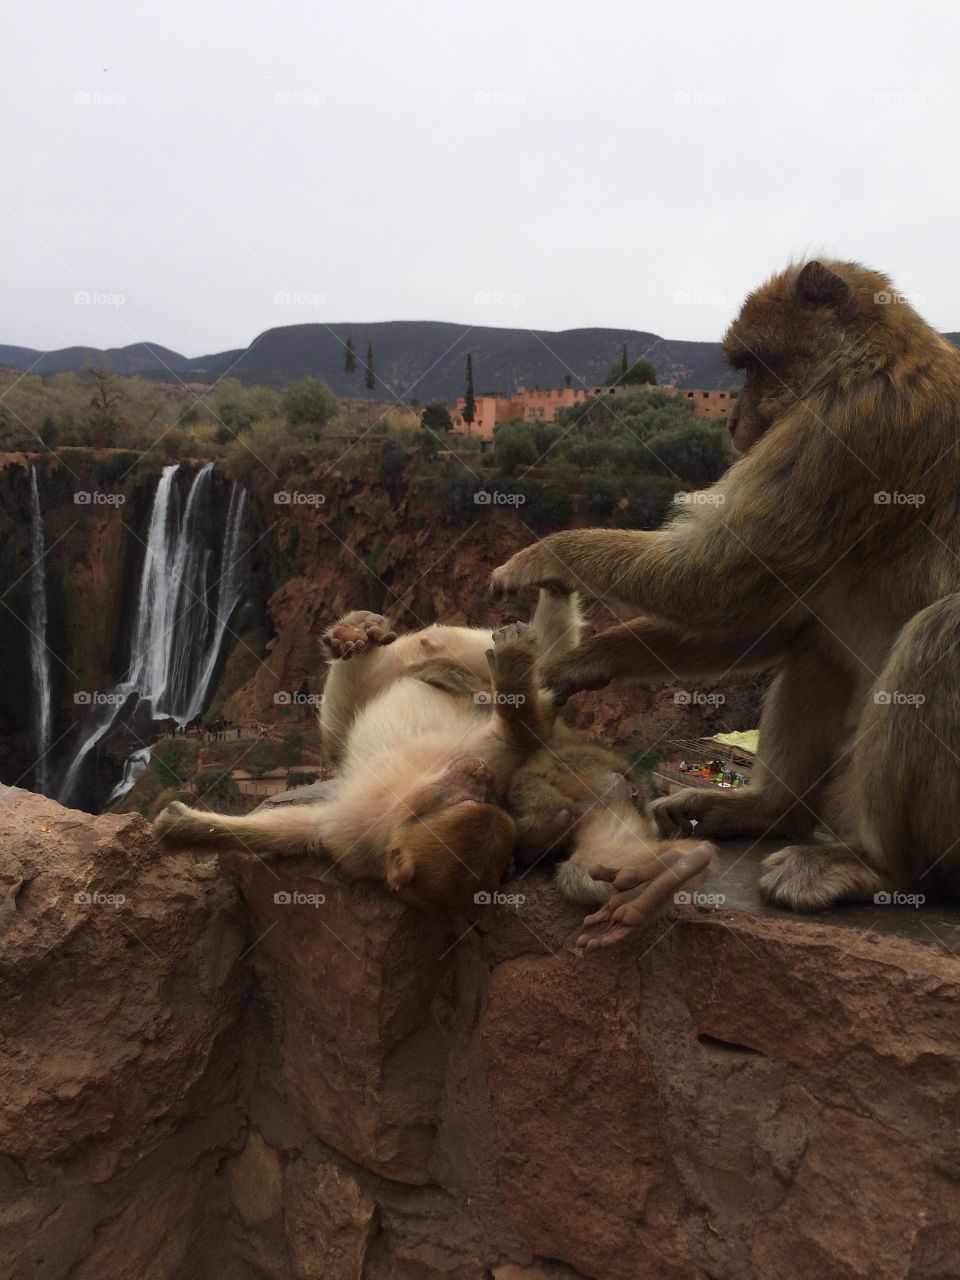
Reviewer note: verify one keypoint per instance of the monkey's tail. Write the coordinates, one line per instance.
(289, 829)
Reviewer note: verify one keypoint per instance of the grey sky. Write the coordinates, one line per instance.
(548, 165)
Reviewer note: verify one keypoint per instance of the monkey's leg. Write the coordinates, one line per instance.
(646, 649)
(360, 636)
(524, 716)
(803, 722)
(640, 891)
(289, 829)
(900, 795)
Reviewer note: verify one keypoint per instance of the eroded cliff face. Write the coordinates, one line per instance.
(254, 1072)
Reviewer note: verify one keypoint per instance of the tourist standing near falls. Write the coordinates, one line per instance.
(177, 637)
(39, 653)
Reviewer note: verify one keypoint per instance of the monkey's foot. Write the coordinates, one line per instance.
(815, 877)
(515, 635)
(718, 815)
(640, 891)
(354, 632)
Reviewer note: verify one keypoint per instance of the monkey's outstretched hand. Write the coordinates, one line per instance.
(536, 566)
(641, 891)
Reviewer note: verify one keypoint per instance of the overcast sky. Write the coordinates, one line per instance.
(201, 172)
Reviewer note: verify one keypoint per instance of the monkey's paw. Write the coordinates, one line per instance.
(516, 635)
(535, 566)
(354, 632)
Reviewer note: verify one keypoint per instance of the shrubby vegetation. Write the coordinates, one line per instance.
(618, 462)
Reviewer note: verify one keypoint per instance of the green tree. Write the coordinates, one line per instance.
(640, 373)
(349, 368)
(369, 377)
(309, 401)
(436, 417)
(469, 402)
(514, 445)
(105, 404)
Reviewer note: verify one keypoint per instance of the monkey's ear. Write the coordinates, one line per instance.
(399, 870)
(818, 286)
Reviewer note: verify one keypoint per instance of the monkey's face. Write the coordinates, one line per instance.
(791, 337)
(455, 843)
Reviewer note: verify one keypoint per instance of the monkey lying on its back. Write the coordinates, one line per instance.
(432, 732)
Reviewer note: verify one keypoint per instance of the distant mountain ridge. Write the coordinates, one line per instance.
(413, 359)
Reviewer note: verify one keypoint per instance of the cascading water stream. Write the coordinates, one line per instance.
(172, 662)
(39, 653)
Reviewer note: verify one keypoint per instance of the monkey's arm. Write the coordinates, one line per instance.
(646, 649)
(754, 550)
(353, 646)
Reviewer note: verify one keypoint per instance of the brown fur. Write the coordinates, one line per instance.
(795, 564)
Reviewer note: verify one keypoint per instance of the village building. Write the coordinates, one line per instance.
(539, 404)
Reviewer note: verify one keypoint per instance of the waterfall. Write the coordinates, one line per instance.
(39, 653)
(177, 638)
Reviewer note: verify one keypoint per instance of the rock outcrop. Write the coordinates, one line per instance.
(252, 1071)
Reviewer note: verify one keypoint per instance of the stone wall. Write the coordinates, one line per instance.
(224, 1078)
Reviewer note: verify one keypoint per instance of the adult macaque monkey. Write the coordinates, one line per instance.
(830, 550)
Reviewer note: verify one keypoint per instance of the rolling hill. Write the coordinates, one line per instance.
(413, 359)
